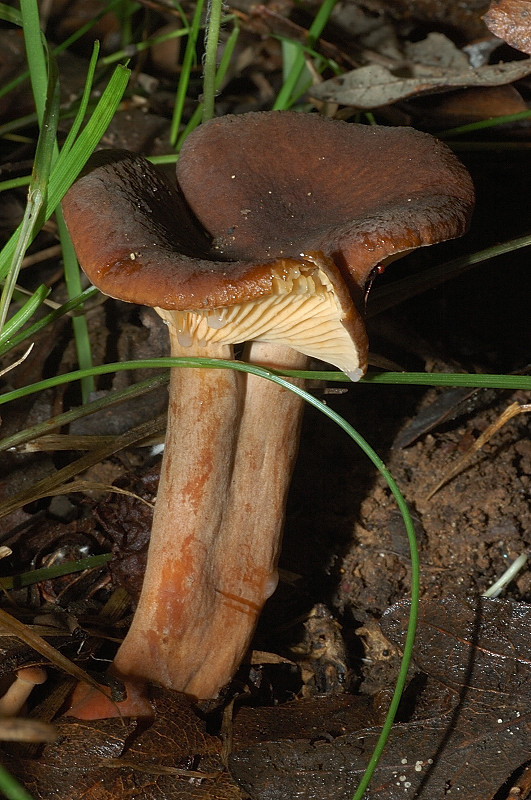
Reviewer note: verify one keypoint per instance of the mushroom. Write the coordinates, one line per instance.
(14, 699)
(275, 226)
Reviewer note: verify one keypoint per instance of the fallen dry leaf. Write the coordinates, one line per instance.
(510, 20)
(172, 759)
(434, 65)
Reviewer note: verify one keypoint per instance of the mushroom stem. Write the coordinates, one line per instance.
(230, 448)
(248, 544)
(170, 630)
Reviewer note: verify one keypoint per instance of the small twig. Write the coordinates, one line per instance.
(43, 255)
(18, 362)
(512, 411)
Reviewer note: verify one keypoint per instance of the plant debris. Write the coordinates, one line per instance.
(476, 650)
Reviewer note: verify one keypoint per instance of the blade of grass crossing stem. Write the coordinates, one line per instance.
(285, 97)
(408, 378)
(189, 57)
(32, 219)
(67, 168)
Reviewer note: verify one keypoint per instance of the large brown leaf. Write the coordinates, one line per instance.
(174, 758)
(480, 651)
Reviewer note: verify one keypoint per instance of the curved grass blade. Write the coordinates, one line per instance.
(24, 314)
(380, 466)
(408, 378)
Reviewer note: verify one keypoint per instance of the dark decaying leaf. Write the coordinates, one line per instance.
(127, 521)
(482, 644)
(481, 651)
(122, 759)
(433, 65)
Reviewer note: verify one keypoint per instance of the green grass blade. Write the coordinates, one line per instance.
(480, 125)
(407, 378)
(83, 105)
(410, 635)
(11, 15)
(24, 314)
(70, 164)
(10, 788)
(71, 267)
(404, 289)
(31, 222)
(285, 97)
(13, 339)
(140, 47)
(55, 571)
(35, 54)
(74, 289)
(467, 380)
(189, 57)
(15, 183)
(67, 167)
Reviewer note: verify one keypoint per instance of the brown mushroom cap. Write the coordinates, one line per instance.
(275, 184)
(273, 211)
(137, 241)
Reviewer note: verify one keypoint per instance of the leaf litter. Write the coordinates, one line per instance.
(479, 650)
(353, 554)
(433, 65)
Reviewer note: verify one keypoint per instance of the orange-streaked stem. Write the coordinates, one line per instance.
(230, 448)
